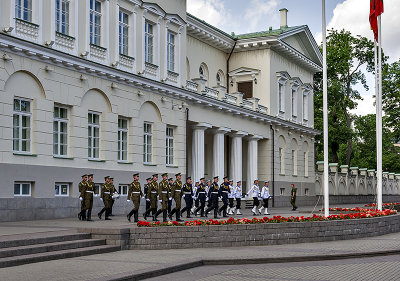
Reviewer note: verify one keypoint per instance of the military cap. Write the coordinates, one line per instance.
(106, 177)
(266, 181)
(231, 180)
(135, 174)
(226, 177)
(178, 174)
(165, 175)
(202, 179)
(238, 181)
(155, 175)
(84, 175)
(188, 178)
(148, 179)
(90, 175)
(215, 177)
(170, 179)
(111, 178)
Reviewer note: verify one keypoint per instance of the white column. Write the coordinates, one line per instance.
(165, 53)
(236, 156)
(252, 160)
(198, 150)
(218, 152)
(159, 47)
(134, 40)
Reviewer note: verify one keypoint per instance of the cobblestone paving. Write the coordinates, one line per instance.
(362, 269)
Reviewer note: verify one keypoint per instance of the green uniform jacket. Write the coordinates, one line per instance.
(176, 193)
(293, 197)
(163, 194)
(88, 195)
(134, 194)
(152, 193)
(82, 190)
(106, 194)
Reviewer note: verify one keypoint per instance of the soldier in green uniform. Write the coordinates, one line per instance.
(151, 196)
(176, 194)
(134, 194)
(146, 188)
(293, 197)
(170, 184)
(163, 196)
(82, 186)
(87, 196)
(106, 197)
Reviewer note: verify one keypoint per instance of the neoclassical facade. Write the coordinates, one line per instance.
(113, 87)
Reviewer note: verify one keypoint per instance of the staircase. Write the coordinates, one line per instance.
(37, 247)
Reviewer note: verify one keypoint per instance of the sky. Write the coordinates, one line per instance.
(243, 16)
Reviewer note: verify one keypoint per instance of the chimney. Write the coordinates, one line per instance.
(283, 17)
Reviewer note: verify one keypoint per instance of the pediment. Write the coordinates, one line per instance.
(154, 8)
(243, 71)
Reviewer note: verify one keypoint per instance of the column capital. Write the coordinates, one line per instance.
(201, 126)
(254, 137)
(239, 134)
(220, 130)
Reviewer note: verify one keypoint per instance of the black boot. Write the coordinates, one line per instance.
(202, 212)
(136, 216)
(219, 210)
(224, 213)
(130, 215)
(83, 215)
(89, 215)
(171, 214)
(145, 214)
(156, 214)
(178, 216)
(215, 213)
(208, 210)
(107, 215)
(188, 213)
(197, 209)
(165, 216)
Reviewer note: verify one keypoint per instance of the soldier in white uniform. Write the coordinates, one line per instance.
(231, 197)
(254, 192)
(238, 196)
(195, 198)
(265, 196)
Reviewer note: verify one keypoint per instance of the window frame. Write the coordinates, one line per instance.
(60, 120)
(62, 16)
(147, 147)
(123, 32)
(148, 42)
(169, 146)
(171, 51)
(294, 161)
(93, 126)
(60, 188)
(95, 29)
(122, 188)
(22, 11)
(20, 189)
(282, 161)
(121, 132)
(20, 116)
(282, 191)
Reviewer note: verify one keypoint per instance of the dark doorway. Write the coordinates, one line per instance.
(246, 88)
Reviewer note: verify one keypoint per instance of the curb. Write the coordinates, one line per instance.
(172, 268)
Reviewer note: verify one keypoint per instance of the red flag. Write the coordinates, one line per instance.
(378, 7)
(373, 18)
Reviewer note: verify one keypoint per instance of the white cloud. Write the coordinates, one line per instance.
(257, 11)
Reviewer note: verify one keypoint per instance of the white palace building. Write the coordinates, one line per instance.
(113, 87)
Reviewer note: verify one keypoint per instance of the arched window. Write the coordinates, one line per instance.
(220, 78)
(201, 71)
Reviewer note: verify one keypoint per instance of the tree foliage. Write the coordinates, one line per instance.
(391, 97)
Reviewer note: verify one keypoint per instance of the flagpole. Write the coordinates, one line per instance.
(325, 113)
(379, 120)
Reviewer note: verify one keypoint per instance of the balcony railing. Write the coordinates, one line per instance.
(98, 52)
(210, 92)
(191, 86)
(172, 77)
(64, 41)
(247, 104)
(126, 61)
(26, 29)
(151, 70)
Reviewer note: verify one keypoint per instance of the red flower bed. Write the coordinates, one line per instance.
(359, 214)
(383, 205)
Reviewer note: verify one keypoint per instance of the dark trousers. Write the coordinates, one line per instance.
(231, 202)
(108, 212)
(169, 206)
(189, 204)
(238, 203)
(256, 203)
(265, 203)
(202, 205)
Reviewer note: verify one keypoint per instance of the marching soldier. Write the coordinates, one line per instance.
(231, 197)
(82, 190)
(151, 196)
(87, 195)
(187, 193)
(163, 197)
(238, 196)
(134, 194)
(213, 194)
(146, 188)
(170, 183)
(265, 196)
(176, 193)
(224, 191)
(208, 186)
(195, 198)
(115, 196)
(254, 192)
(106, 198)
(201, 195)
(293, 197)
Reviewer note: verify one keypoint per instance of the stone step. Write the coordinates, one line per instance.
(49, 247)
(20, 240)
(63, 254)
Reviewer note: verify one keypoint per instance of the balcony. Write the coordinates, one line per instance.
(126, 62)
(172, 77)
(151, 70)
(210, 92)
(191, 86)
(64, 42)
(98, 53)
(248, 104)
(26, 30)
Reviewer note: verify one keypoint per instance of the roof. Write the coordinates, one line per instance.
(271, 32)
(211, 26)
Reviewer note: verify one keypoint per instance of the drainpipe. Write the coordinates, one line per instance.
(273, 164)
(187, 143)
(227, 66)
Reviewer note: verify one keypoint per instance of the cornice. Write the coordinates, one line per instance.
(57, 58)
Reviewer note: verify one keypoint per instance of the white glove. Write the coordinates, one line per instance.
(148, 199)
(96, 195)
(170, 198)
(143, 197)
(80, 198)
(160, 201)
(128, 200)
(101, 199)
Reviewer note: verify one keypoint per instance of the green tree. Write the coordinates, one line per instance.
(391, 96)
(347, 55)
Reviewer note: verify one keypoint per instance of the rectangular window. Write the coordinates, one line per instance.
(22, 125)
(281, 98)
(97, 188)
(62, 16)
(294, 162)
(171, 51)
(282, 161)
(148, 143)
(93, 135)
(60, 131)
(306, 192)
(22, 189)
(294, 104)
(246, 88)
(148, 42)
(305, 107)
(123, 189)
(61, 189)
(122, 139)
(123, 32)
(23, 10)
(306, 164)
(170, 146)
(282, 191)
(95, 22)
